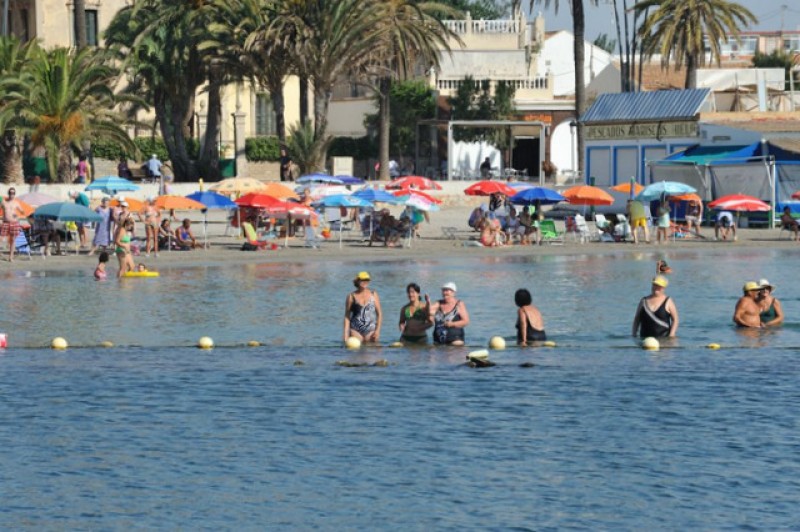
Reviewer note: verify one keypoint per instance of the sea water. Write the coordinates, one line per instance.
(155, 433)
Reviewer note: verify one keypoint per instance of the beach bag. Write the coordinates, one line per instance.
(247, 246)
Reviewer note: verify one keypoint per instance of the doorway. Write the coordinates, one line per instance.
(525, 156)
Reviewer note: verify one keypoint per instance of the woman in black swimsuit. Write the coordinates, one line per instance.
(530, 325)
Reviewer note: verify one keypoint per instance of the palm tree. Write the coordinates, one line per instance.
(579, 51)
(408, 34)
(679, 29)
(15, 59)
(67, 99)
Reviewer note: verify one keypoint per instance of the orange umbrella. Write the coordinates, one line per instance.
(133, 204)
(27, 210)
(686, 197)
(587, 195)
(276, 190)
(626, 187)
(178, 203)
(237, 186)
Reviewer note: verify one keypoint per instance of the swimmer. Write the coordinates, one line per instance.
(100, 272)
(771, 311)
(141, 268)
(530, 325)
(748, 312)
(656, 314)
(449, 317)
(362, 311)
(662, 268)
(415, 317)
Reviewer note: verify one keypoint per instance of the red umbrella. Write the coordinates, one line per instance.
(796, 195)
(415, 182)
(416, 194)
(255, 199)
(739, 202)
(485, 188)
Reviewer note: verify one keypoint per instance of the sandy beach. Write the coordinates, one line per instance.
(432, 243)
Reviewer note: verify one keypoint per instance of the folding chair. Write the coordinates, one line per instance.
(549, 232)
(22, 244)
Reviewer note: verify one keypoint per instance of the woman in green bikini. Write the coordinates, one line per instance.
(415, 317)
(122, 241)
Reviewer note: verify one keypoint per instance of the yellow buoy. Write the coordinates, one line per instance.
(497, 342)
(58, 343)
(253, 343)
(650, 344)
(205, 343)
(353, 343)
(106, 343)
(396, 344)
(713, 346)
(549, 343)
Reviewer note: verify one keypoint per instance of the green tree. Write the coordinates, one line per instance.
(15, 60)
(680, 29)
(479, 9)
(66, 100)
(410, 101)
(605, 42)
(474, 100)
(776, 59)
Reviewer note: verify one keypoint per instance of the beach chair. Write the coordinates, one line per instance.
(581, 230)
(600, 222)
(623, 228)
(22, 245)
(251, 237)
(549, 232)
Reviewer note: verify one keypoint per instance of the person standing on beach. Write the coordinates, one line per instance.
(663, 221)
(286, 165)
(415, 317)
(694, 216)
(10, 227)
(747, 312)
(362, 311)
(638, 217)
(449, 317)
(154, 168)
(83, 170)
(656, 316)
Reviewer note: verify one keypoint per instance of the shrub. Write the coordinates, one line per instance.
(360, 149)
(259, 149)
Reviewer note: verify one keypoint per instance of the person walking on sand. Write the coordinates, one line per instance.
(415, 317)
(362, 311)
(694, 216)
(449, 317)
(747, 312)
(771, 311)
(10, 228)
(638, 217)
(656, 316)
(530, 325)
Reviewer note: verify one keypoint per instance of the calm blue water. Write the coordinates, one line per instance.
(598, 434)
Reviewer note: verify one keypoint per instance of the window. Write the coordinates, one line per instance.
(791, 45)
(91, 28)
(19, 25)
(264, 115)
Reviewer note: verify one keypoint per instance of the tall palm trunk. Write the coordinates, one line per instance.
(12, 167)
(691, 72)
(303, 99)
(279, 104)
(208, 159)
(322, 98)
(384, 90)
(80, 24)
(579, 25)
(64, 170)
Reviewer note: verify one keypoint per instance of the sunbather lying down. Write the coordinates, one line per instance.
(389, 229)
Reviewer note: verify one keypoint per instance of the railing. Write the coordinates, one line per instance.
(538, 83)
(462, 27)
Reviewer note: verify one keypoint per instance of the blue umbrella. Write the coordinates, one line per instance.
(67, 211)
(661, 189)
(112, 184)
(376, 196)
(533, 195)
(213, 200)
(349, 180)
(341, 200)
(319, 178)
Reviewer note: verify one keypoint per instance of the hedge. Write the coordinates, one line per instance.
(258, 149)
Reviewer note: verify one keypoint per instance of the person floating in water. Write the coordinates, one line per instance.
(656, 316)
(530, 325)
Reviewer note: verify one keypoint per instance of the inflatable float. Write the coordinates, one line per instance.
(140, 274)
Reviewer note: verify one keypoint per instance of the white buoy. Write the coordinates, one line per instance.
(549, 343)
(479, 354)
(58, 343)
(396, 344)
(497, 342)
(253, 343)
(205, 343)
(106, 343)
(353, 343)
(650, 344)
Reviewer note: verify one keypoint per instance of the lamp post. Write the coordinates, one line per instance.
(573, 126)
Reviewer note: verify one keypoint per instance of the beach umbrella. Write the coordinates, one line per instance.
(414, 181)
(318, 178)
(519, 185)
(67, 211)
(177, 203)
(26, 208)
(134, 205)
(536, 195)
(661, 189)
(587, 195)
(349, 180)
(631, 188)
(414, 193)
(796, 195)
(341, 200)
(237, 186)
(486, 188)
(111, 184)
(256, 199)
(276, 190)
(738, 203)
(686, 197)
(211, 200)
(316, 192)
(37, 199)
(377, 196)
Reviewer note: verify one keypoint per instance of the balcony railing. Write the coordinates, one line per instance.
(538, 83)
(461, 27)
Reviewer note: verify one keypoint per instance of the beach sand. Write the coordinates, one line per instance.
(432, 244)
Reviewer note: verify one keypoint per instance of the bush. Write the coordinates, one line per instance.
(360, 149)
(146, 146)
(259, 149)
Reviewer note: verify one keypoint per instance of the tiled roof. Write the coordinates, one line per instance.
(639, 106)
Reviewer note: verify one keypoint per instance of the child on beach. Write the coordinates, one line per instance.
(141, 268)
(100, 272)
